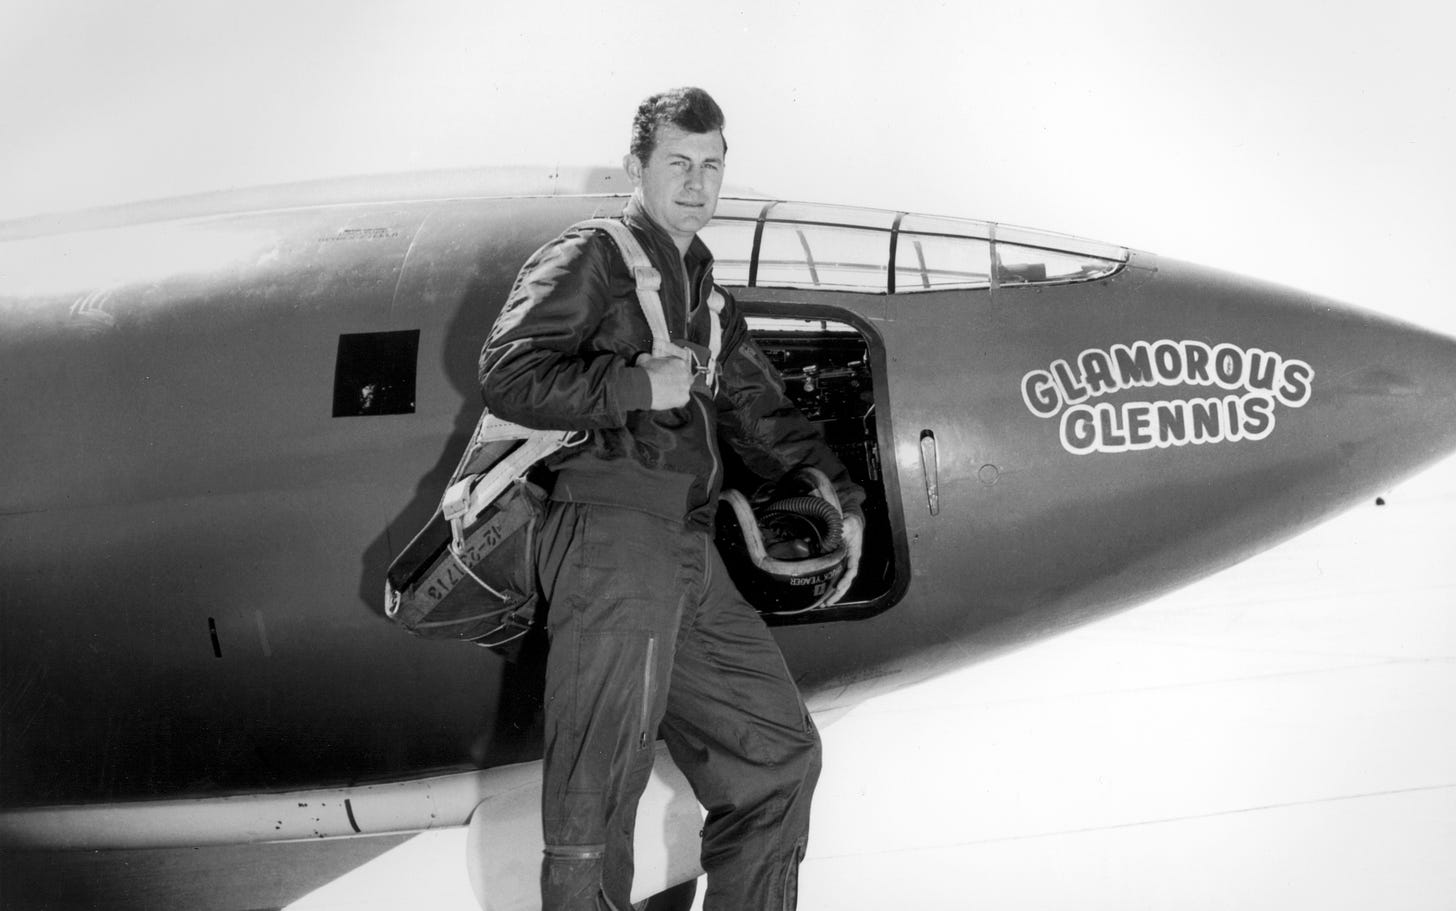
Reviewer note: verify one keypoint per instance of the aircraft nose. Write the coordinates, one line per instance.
(1389, 393)
(1359, 400)
(1195, 417)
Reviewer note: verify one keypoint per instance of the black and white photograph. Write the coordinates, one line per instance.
(835, 456)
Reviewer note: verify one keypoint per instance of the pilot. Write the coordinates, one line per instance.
(648, 634)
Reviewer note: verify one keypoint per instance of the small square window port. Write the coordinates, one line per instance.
(375, 373)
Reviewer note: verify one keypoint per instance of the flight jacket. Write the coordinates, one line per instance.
(562, 356)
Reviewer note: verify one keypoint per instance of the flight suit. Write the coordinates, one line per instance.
(669, 642)
(647, 632)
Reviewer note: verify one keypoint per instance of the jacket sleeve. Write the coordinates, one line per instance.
(758, 419)
(543, 365)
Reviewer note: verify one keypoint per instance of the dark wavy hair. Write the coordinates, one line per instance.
(687, 108)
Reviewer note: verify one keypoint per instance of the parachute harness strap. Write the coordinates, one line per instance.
(649, 284)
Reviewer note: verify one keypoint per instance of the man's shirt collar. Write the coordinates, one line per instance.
(636, 216)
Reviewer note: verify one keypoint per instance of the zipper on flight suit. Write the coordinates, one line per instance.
(710, 429)
(711, 432)
(648, 667)
(791, 876)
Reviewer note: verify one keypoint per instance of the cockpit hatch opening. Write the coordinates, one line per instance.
(829, 370)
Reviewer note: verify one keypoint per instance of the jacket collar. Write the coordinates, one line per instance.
(636, 216)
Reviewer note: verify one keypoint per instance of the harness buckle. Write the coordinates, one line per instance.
(647, 278)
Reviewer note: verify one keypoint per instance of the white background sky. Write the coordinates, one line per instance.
(1310, 143)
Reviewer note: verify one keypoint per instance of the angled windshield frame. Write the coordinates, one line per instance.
(779, 244)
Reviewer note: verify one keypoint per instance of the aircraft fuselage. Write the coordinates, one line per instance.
(218, 432)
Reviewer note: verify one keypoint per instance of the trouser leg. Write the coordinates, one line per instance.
(738, 729)
(615, 581)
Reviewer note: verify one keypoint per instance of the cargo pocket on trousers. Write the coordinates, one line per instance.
(617, 689)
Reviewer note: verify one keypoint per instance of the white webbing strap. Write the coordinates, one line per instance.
(471, 491)
(649, 281)
(716, 303)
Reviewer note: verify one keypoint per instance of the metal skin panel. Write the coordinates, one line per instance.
(193, 548)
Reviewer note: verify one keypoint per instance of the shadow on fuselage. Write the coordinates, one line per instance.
(515, 706)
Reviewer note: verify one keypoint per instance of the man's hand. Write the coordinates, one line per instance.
(671, 377)
(854, 543)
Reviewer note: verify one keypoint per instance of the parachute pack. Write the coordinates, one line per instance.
(470, 574)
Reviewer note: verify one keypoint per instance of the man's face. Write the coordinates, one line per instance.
(680, 180)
